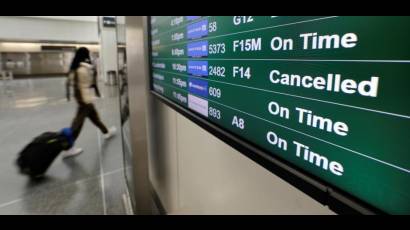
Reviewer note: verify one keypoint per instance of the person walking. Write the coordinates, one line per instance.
(82, 79)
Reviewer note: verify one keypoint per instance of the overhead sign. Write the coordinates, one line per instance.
(109, 21)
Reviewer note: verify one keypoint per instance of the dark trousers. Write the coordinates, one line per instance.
(84, 111)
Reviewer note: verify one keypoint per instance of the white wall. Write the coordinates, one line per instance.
(121, 29)
(193, 172)
(36, 47)
(48, 29)
(69, 18)
(163, 154)
(109, 52)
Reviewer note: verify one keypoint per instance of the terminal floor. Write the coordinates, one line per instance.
(91, 183)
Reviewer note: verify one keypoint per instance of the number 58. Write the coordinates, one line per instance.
(212, 27)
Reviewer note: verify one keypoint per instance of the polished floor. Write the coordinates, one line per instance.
(91, 183)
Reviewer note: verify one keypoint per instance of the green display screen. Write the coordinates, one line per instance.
(328, 94)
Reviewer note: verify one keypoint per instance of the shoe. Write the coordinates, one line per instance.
(72, 152)
(111, 132)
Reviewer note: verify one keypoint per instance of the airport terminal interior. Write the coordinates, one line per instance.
(204, 115)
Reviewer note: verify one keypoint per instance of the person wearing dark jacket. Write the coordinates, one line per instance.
(82, 79)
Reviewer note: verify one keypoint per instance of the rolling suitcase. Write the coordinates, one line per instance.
(37, 156)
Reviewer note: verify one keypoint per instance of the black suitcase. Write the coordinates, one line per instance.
(37, 156)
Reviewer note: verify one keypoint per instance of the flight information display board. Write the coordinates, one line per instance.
(328, 94)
